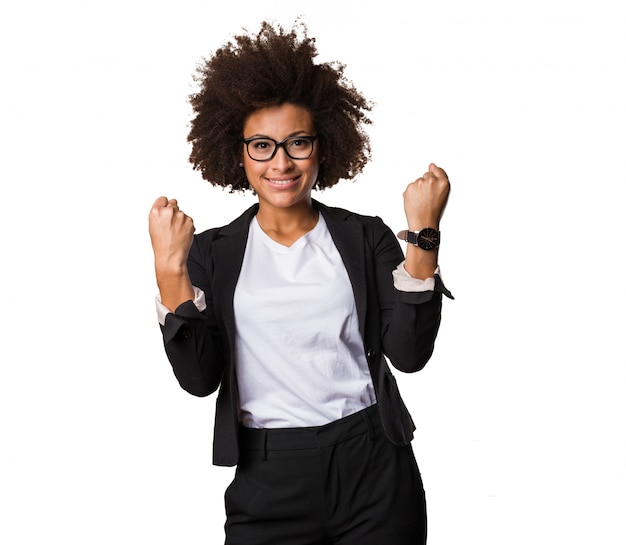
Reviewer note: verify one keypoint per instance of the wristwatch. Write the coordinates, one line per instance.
(426, 239)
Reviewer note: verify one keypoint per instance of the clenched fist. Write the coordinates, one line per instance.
(425, 199)
(171, 233)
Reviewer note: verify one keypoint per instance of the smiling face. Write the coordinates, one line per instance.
(281, 182)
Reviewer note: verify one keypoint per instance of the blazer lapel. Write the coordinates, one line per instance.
(229, 249)
(348, 236)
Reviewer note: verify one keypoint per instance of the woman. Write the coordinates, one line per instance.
(289, 309)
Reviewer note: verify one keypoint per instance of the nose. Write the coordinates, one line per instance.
(281, 161)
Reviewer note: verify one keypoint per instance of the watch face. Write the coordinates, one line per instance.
(428, 239)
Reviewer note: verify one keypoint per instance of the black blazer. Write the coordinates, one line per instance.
(402, 325)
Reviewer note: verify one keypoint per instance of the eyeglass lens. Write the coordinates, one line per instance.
(296, 147)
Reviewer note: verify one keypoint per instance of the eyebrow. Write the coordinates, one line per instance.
(296, 133)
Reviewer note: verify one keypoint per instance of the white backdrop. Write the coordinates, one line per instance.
(520, 412)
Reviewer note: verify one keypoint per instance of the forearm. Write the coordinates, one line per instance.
(420, 264)
(174, 286)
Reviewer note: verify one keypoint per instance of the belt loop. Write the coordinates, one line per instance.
(370, 427)
(264, 446)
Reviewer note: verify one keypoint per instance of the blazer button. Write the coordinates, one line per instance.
(186, 332)
(370, 354)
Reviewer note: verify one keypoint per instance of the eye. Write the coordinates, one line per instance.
(261, 145)
(299, 143)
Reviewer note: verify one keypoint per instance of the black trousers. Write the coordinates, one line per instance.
(342, 483)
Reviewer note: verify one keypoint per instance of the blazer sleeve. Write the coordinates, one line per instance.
(409, 320)
(192, 339)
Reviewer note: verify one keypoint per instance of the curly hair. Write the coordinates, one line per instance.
(271, 68)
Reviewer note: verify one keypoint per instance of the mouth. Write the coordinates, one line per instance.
(283, 183)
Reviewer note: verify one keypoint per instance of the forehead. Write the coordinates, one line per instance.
(279, 122)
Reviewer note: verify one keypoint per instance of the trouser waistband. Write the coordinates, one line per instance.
(364, 421)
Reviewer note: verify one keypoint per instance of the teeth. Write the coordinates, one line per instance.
(282, 182)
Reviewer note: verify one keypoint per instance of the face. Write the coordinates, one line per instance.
(281, 182)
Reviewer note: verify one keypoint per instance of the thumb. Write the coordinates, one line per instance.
(432, 167)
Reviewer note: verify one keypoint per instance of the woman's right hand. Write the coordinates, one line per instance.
(171, 233)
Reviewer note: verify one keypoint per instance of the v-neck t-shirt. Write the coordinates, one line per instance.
(299, 358)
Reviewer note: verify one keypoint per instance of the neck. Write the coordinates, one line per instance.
(286, 225)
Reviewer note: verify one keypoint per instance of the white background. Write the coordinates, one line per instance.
(520, 412)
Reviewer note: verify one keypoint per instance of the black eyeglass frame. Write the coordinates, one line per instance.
(312, 139)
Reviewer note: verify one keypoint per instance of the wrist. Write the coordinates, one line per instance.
(168, 272)
(427, 238)
(417, 224)
(419, 263)
(174, 287)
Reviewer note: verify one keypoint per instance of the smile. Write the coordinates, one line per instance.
(282, 182)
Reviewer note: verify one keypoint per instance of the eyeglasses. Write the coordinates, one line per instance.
(261, 148)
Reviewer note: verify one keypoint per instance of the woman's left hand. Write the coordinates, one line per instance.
(425, 199)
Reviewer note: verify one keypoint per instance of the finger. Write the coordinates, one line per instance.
(429, 176)
(161, 202)
(173, 204)
(412, 186)
(437, 171)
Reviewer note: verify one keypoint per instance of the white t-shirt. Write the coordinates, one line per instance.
(299, 355)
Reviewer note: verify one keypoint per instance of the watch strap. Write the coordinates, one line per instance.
(408, 236)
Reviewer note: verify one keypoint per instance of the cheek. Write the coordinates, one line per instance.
(251, 168)
(253, 172)
(314, 170)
